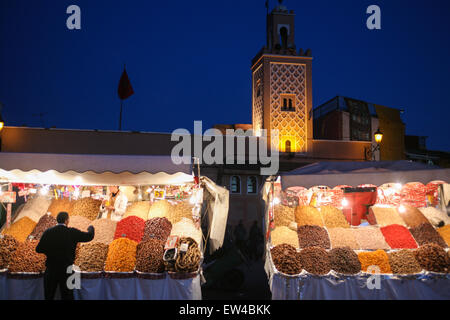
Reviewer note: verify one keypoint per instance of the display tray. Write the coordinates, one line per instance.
(24, 275)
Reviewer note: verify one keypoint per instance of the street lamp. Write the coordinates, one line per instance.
(369, 152)
(2, 123)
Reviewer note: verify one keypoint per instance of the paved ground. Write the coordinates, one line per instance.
(255, 287)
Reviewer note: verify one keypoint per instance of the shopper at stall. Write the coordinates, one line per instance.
(116, 206)
(59, 244)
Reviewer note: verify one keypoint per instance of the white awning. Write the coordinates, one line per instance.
(76, 169)
(332, 174)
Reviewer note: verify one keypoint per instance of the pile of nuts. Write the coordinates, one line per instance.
(79, 222)
(344, 260)
(45, 222)
(333, 217)
(286, 259)
(160, 209)
(315, 260)
(61, 205)
(139, 209)
(149, 256)
(26, 259)
(425, 234)
(343, 237)
(104, 230)
(87, 207)
(7, 247)
(432, 257)
(180, 210)
(91, 256)
(404, 262)
(313, 236)
(283, 216)
(370, 238)
(157, 228)
(412, 216)
(308, 215)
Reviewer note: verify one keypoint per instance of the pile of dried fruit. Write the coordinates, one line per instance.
(398, 237)
(412, 216)
(284, 235)
(432, 257)
(343, 237)
(26, 259)
(157, 228)
(131, 227)
(104, 230)
(445, 233)
(307, 215)
(186, 228)
(20, 229)
(91, 256)
(377, 258)
(7, 247)
(426, 233)
(313, 236)
(149, 256)
(333, 217)
(139, 209)
(387, 216)
(121, 255)
(159, 209)
(403, 262)
(61, 205)
(286, 259)
(370, 238)
(283, 216)
(315, 260)
(46, 222)
(80, 223)
(87, 207)
(344, 260)
(180, 210)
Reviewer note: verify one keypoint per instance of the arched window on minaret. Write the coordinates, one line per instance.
(287, 146)
(284, 37)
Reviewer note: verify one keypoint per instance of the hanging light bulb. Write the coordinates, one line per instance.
(44, 191)
(276, 201)
(402, 209)
(344, 202)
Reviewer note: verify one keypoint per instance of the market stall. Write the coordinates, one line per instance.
(365, 230)
(153, 251)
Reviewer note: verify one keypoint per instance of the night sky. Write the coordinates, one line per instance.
(190, 60)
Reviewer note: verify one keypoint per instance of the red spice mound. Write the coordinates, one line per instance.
(131, 227)
(398, 237)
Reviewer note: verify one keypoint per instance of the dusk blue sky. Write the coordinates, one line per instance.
(190, 60)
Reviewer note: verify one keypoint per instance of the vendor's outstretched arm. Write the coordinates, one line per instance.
(81, 236)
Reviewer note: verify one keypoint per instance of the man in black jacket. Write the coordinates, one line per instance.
(59, 244)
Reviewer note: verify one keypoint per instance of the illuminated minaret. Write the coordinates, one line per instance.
(281, 85)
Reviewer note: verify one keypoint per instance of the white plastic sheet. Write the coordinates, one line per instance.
(108, 288)
(334, 286)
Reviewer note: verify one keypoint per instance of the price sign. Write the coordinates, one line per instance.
(171, 242)
(8, 197)
(159, 194)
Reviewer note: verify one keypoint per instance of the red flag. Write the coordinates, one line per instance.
(125, 89)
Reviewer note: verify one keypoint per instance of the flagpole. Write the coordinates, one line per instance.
(120, 119)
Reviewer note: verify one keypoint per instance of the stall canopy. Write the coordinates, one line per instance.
(76, 169)
(332, 174)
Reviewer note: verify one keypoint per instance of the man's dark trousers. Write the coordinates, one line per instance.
(54, 277)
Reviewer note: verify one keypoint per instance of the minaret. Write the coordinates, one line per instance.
(282, 85)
